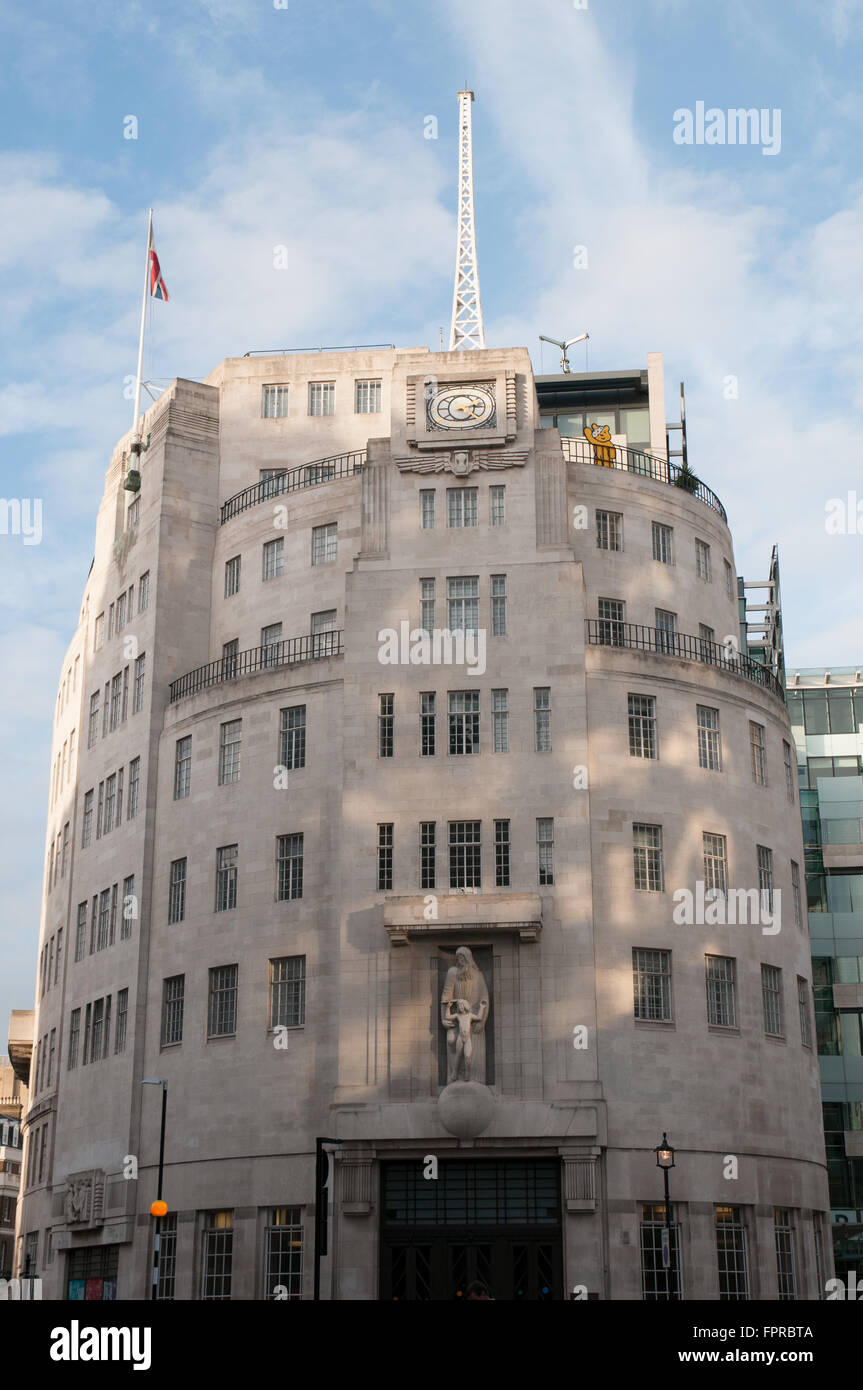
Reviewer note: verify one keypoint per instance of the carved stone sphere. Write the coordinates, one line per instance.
(466, 1108)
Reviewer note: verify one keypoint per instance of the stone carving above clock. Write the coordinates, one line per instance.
(461, 462)
(462, 406)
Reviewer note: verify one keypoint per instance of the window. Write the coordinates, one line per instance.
(283, 1253)
(167, 1256)
(729, 579)
(368, 397)
(609, 530)
(642, 726)
(173, 1005)
(545, 849)
(104, 919)
(52, 1052)
(427, 496)
(59, 954)
(116, 700)
(500, 720)
(427, 723)
(292, 737)
(463, 721)
(230, 658)
(140, 667)
(81, 932)
(99, 632)
(121, 612)
(325, 544)
(771, 1000)
(647, 856)
(756, 744)
(715, 851)
(803, 1011)
(651, 983)
(498, 605)
(765, 876)
(143, 591)
(610, 624)
(87, 820)
(662, 543)
(226, 878)
(324, 622)
(229, 751)
(706, 643)
(784, 1238)
(497, 505)
(385, 857)
(288, 992)
(93, 730)
(133, 513)
(501, 853)
(702, 560)
(274, 559)
(465, 854)
(134, 783)
(110, 803)
(657, 1281)
(795, 890)
(122, 1018)
(709, 748)
(177, 895)
(720, 973)
(322, 398)
(428, 846)
(271, 644)
(289, 867)
(232, 576)
(790, 777)
(461, 506)
(98, 1031)
(129, 907)
(217, 1253)
(731, 1254)
(386, 721)
(666, 627)
(74, 1035)
(274, 402)
(463, 604)
(222, 1012)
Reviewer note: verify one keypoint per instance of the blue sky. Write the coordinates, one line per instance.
(304, 127)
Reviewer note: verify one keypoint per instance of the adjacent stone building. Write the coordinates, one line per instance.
(395, 653)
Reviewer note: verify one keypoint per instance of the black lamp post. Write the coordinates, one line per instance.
(665, 1160)
(158, 1208)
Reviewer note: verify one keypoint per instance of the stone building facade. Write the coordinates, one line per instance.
(277, 811)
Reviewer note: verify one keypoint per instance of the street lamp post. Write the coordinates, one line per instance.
(158, 1208)
(665, 1160)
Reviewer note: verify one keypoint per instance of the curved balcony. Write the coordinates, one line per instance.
(292, 652)
(645, 465)
(608, 632)
(293, 479)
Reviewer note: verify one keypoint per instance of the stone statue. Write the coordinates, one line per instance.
(463, 1012)
(75, 1205)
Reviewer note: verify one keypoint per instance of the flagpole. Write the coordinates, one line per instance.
(135, 421)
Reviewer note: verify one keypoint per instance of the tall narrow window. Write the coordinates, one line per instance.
(786, 1274)
(122, 1020)
(497, 505)
(121, 612)
(273, 559)
(283, 1254)
(110, 803)
(662, 543)
(74, 1034)
(386, 721)
(177, 899)
(500, 720)
(104, 919)
(167, 1257)
(287, 992)
(427, 605)
(707, 645)
(271, 644)
(609, 530)
(771, 1000)
(721, 979)
(765, 877)
(463, 721)
(803, 1011)
(465, 854)
(702, 560)
(322, 398)
(289, 867)
(116, 700)
(659, 1281)
(81, 932)
(385, 857)
(707, 726)
(230, 658)
(610, 625)
(93, 729)
(368, 397)
(292, 737)
(542, 718)
(134, 785)
(226, 878)
(222, 1012)
(545, 849)
(427, 496)
(642, 726)
(729, 579)
(130, 910)
(427, 723)
(501, 854)
(232, 576)
(325, 544)
(87, 820)
(795, 890)
(666, 628)
(651, 983)
(99, 632)
(647, 857)
(173, 1006)
(229, 751)
(217, 1246)
(790, 771)
(463, 604)
(97, 1035)
(498, 605)
(140, 668)
(428, 846)
(461, 506)
(715, 852)
(756, 747)
(143, 591)
(731, 1254)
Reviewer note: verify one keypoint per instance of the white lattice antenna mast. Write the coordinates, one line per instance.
(467, 330)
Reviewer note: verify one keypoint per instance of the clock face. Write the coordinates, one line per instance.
(461, 407)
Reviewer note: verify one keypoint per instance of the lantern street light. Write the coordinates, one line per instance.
(158, 1208)
(665, 1160)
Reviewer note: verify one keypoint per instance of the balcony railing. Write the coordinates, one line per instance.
(308, 475)
(645, 465)
(608, 632)
(291, 652)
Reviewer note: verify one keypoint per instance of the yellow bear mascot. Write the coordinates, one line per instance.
(603, 449)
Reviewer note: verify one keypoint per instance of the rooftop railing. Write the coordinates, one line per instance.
(292, 479)
(645, 465)
(608, 632)
(292, 652)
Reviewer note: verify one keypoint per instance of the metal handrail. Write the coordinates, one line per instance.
(290, 652)
(292, 479)
(608, 632)
(645, 465)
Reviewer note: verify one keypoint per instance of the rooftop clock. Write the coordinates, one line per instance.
(461, 408)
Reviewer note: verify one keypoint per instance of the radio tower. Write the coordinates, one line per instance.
(467, 330)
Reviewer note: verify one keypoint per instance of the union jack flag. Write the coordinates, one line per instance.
(158, 288)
